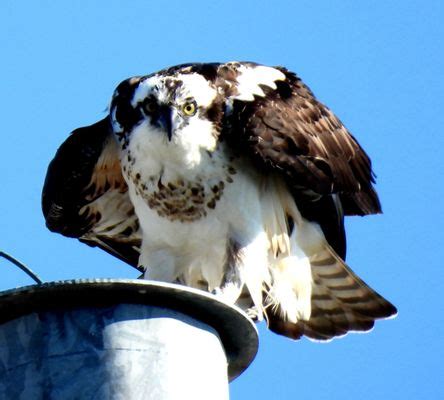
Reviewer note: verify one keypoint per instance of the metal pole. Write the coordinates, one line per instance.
(120, 339)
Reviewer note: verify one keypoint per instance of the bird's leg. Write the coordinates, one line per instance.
(253, 264)
(159, 265)
(246, 272)
(232, 284)
(254, 313)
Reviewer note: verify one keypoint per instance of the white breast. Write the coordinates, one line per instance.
(190, 248)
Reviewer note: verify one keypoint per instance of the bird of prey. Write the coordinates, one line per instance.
(231, 178)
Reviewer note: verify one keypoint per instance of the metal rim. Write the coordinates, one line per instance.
(236, 330)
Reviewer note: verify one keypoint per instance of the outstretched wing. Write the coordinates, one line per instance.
(276, 119)
(86, 197)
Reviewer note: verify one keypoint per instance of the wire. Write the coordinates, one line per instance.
(23, 267)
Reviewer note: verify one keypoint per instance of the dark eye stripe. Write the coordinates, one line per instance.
(150, 105)
(126, 115)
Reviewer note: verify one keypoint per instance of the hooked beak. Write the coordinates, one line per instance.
(165, 120)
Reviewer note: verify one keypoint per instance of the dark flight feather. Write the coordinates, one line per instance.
(82, 181)
(291, 132)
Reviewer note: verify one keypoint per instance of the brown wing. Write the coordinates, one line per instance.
(289, 131)
(86, 197)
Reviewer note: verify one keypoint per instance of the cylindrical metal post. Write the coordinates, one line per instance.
(120, 339)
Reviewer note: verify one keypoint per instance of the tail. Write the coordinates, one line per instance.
(312, 291)
(340, 302)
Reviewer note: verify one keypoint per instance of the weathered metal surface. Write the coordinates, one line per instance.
(120, 339)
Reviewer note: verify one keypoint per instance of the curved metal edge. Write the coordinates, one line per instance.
(236, 330)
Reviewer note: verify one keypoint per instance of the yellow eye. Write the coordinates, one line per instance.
(189, 108)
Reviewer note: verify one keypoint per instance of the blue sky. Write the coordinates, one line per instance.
(377, 64)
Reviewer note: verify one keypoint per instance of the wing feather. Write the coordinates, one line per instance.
(287, 130)
(86, 197)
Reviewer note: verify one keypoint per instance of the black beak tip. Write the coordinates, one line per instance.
(165, 120)
(170, 135)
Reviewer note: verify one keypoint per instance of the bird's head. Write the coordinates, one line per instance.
(183, 108)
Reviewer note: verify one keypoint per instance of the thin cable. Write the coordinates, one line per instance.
(23, 267)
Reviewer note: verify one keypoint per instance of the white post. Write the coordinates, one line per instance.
(120, 339)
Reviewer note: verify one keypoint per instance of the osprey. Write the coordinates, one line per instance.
(232, 178)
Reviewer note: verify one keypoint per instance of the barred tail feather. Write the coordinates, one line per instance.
(313, 292)
(340, 302)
